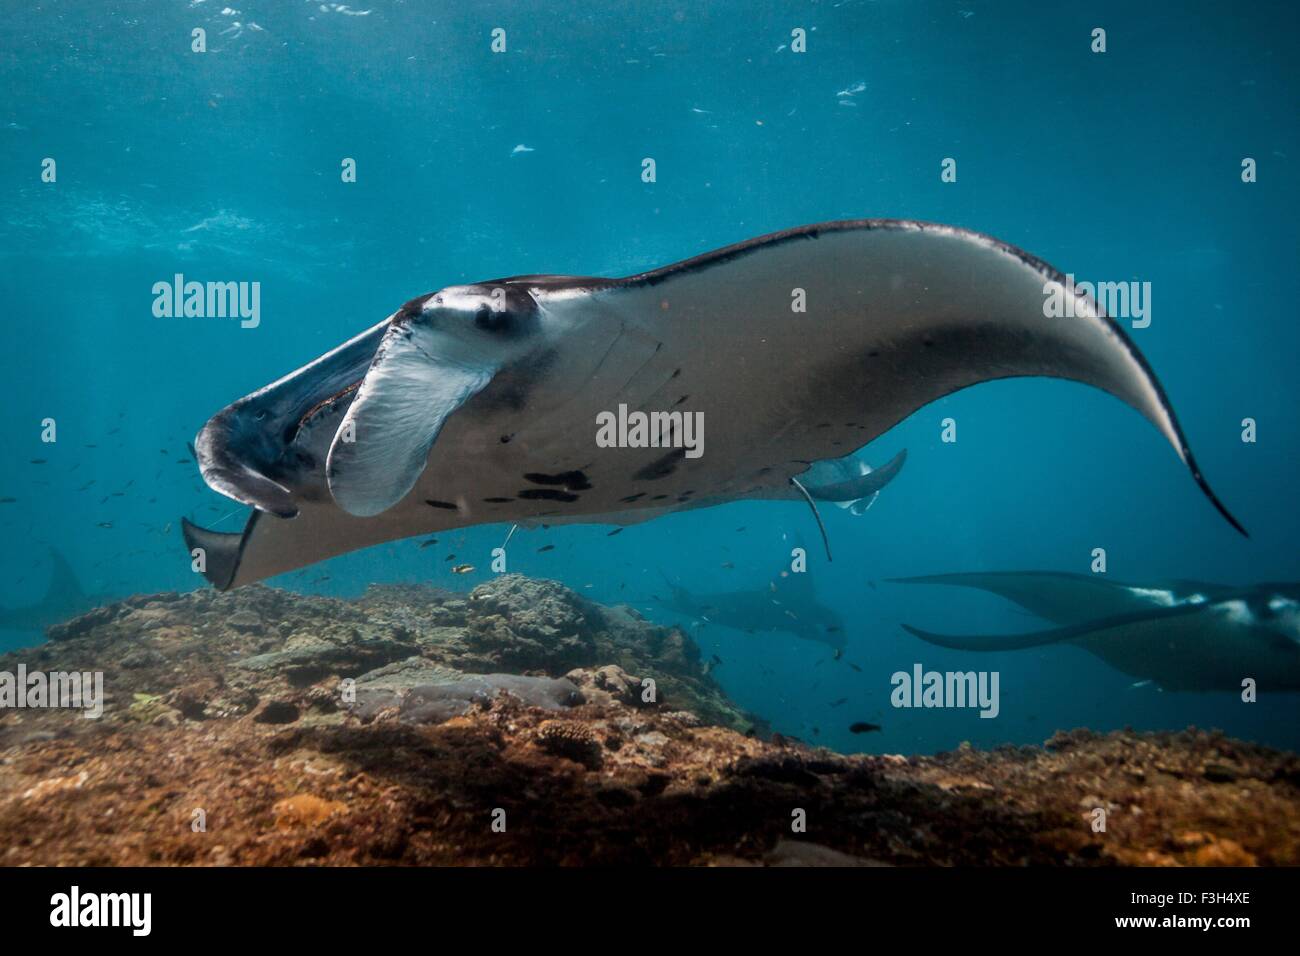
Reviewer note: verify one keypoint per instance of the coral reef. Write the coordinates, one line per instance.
(522, 724)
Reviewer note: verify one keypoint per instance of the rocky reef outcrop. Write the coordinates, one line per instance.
(523, 724)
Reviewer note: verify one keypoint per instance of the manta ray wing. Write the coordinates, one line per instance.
(1061, 597)
(1188, 647)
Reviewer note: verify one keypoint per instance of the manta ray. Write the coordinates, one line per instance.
(1180, 635)
(478, 404)
(838, 480)
(788, 605)
(63, 599)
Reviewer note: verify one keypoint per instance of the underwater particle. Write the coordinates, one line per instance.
(837, 653)
(450, 557)
(106, 524)
(840, 702)
(862, 727)
(614, 532)
(549, 547)
(462, 569)
(728, 565)
(430, 541)
(7, 501)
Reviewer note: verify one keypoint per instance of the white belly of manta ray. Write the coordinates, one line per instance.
(491, 402)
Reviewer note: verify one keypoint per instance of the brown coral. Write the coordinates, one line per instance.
(570, 739)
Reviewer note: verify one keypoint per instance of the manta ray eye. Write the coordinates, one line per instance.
(492, 320)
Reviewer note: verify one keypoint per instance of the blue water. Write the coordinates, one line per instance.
(226, 166)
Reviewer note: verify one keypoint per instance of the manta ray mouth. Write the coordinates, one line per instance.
(225, 456)
(267, 450)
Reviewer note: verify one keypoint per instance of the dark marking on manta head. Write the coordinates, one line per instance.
(569, 480)
(412, 309)
(546, 494)
(631, 498)
(497, 501)
(440, 504)
(661, 467)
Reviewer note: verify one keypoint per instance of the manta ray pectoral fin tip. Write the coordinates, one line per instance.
(1222, 508)
(221, 552)
(1209, 493)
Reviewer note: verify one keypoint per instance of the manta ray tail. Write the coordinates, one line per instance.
(826, 541)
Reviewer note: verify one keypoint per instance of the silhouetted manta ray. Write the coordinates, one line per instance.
(1183, 635)
(477, 404)
(63, 600)
(788, 605)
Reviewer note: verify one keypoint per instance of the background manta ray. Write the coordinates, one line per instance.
(1182, 635)
(63, 599)
(836, 480)
(787, 605)
(476, 404)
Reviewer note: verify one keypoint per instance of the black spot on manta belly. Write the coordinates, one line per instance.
(569, 480)
(661, 467)
(440, 504)
(497, 501)
(631, 498)
(546, 494)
